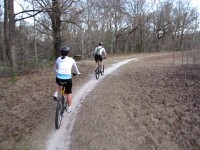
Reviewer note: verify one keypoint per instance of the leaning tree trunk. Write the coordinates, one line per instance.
(128, 37)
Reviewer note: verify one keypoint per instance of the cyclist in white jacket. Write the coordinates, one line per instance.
(63, 66)
(98, 52)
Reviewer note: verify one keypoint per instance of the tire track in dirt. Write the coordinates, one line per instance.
(60, 139)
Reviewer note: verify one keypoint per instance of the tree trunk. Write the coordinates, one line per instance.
(127, 39)
(56, 25)
(6, 31)
(116, 38)
(35, 40)
(9, 29)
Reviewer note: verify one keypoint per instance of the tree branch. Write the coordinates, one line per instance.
(30, 16)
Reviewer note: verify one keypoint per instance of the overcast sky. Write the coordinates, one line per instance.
(195, 3)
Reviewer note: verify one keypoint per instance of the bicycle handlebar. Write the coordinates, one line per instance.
(74, 74)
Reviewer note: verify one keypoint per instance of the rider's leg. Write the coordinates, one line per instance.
(55, 95)
(57, 91)
(96, 61)
(101, 62)
(69, 100)
(57, 88)
(101, 65)
(68, 94)
(96, 66)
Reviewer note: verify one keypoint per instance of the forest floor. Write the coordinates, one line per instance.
(153, 103)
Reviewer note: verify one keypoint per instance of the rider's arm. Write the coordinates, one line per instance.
(104, 51)
(75, 68)
(94, 51)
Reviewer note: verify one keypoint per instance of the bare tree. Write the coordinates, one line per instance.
(2, 50)
(9, 32)
(59, 12)
(123, 25)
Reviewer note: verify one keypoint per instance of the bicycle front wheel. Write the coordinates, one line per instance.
(58, 116)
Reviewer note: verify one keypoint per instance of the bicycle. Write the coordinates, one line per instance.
(98, 71)
(61, 105)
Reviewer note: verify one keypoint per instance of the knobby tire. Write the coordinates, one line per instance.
(97, 74)
(58, 117)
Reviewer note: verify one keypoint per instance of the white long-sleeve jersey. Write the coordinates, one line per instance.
(64, 67)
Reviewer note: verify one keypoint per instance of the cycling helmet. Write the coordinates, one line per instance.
(65, 48)
(101, 43)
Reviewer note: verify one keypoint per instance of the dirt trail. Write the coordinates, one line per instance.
(149, 103)
(60, 139)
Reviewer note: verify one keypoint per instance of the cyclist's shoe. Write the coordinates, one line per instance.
(55, 96)
(69, 109)
(96, 70)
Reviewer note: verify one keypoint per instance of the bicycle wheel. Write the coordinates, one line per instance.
(58, 117)
(102, 72)
(97, 73)
(63, 106)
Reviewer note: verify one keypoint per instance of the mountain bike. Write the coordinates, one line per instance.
(61, 105)
(98, 71)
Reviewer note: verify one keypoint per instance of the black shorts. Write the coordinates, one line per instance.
(68, 86)
(98, 57)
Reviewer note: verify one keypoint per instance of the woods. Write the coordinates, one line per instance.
(35, 34)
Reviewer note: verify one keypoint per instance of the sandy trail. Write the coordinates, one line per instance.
(60, 139)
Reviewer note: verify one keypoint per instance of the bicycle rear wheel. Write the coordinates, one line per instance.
(59, 113)
(97, 73)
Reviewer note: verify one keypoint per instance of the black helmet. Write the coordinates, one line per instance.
(65, 48)
(101, 43)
